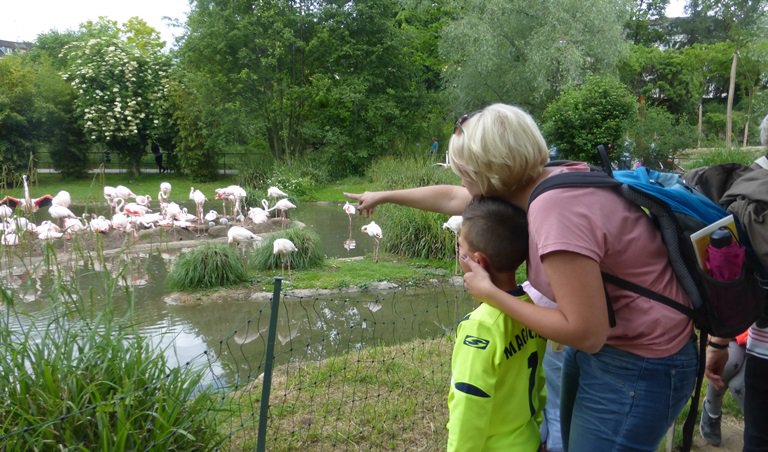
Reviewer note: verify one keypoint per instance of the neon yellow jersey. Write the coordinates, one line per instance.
(497, 383)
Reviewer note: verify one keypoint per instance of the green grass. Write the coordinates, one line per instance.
(389, 397)
(90, 190)
(342, 273)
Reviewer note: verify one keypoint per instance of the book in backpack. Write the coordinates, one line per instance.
(720, 308)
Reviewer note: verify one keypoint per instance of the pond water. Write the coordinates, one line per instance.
(228, 336)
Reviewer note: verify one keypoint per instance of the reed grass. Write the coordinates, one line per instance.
(86, 380)
(410, 232)
(208, 266)
(309, 252)
(723, 155)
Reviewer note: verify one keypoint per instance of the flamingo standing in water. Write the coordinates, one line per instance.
(282, 205)
(163, 195)
(374, 230)
(199, 199)
(283, 247)
(454, 224)
(350, 210)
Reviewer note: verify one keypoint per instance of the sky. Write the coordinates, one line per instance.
(23, 20)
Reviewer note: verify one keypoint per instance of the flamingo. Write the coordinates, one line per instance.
(48, 231)
(350, 210)
(121, 191)
(274, 192)
(60, 213)
(100, 224)
(283, 205)
(234, 193)
(199, 198)
(27, 203)
(5, 212)
(163, 195)
(9, 239)
(240, 234)
(62, 198)
(143, 200)
(454, 224)
(284, 247)
(211, 217)
(258, 215)
(374, 230)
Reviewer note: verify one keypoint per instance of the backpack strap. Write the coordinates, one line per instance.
(604, 160)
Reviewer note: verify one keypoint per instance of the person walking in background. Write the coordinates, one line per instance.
(496, 397)
(158, 158)
(434, 147)
(733, 377)
(630, 365)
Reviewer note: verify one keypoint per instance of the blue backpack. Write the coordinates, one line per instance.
(723, 309)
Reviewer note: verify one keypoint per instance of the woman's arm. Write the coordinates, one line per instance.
(581, 319)
(447, 199)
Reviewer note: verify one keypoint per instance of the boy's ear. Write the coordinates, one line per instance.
(482, 259)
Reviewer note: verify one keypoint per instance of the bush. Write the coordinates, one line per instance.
(309, 252)
(723, 155)
(582, 117)
(75, 382)
(660, 136)
(211, 265)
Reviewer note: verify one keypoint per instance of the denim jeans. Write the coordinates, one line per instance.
(550, 428)
(615, 401)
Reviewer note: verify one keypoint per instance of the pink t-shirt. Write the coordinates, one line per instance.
(600, 224)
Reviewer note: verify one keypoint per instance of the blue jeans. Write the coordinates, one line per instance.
(614, 400)
(550, 429)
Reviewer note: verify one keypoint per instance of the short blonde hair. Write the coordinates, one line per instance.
(764, 131)
(500, 148)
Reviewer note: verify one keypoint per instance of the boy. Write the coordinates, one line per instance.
(496, 393)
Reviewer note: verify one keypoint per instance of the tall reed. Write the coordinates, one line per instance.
(411, 232)
(208, 266)
(309, 252)
(85, 379)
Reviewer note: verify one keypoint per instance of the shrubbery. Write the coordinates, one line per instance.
(211, 265)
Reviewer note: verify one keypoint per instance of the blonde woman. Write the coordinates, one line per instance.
(623, 385)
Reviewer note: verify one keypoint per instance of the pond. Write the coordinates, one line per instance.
(228, 335)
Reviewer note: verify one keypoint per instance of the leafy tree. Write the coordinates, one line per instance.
(647, 22)
(658, 136)
(741, 21)
(527, 52)
(582, 117)
(17, 103)
(119, 82)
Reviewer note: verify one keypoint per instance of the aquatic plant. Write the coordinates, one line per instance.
(210, 265)
(309, 252)
(87, 380)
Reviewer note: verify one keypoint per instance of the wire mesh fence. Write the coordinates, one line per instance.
(336, 371)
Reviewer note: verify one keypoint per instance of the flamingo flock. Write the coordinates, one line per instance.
(131, 213)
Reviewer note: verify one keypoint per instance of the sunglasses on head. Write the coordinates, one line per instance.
(458, 130)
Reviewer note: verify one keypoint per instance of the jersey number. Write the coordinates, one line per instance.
(533, 364)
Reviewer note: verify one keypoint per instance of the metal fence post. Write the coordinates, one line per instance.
(268, 361)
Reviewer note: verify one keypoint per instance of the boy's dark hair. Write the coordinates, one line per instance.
(499, 230)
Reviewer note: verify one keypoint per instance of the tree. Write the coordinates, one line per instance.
(597, 112)
(119, 75)
(527, 52)
(647, 22)
(17, 102)
(741, 21)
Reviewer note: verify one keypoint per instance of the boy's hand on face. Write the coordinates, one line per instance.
(477, 281)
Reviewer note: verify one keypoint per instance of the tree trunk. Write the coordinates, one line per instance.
(729, 109)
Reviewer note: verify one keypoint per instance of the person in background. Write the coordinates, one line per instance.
(756, 363)
(733, 377)
(496, 398)
(434, 147)
(630, 365)
(158, 158)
